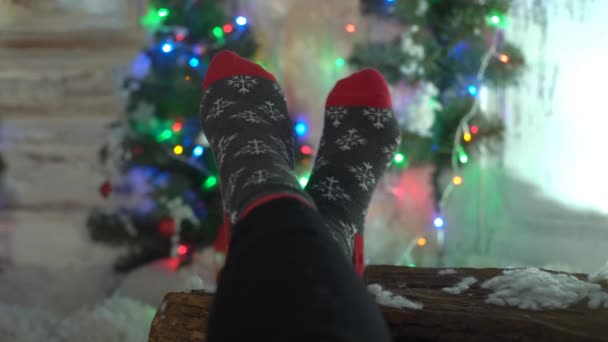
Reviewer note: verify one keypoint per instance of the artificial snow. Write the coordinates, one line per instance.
(535, 289)
(600, 275)
(388, 298)
(116, 319)
(447, 271)
(459, 288)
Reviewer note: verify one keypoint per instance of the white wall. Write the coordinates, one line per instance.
(557, 118)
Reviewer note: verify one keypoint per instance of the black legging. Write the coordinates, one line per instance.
(286, 280)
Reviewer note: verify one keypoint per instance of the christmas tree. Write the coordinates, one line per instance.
(162, 183)
(449, 51)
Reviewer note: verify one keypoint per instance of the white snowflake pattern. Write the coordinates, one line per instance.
(218, 107)
(350, 140)
(336, 114)
(389, 151)
(350, 230)
(231, 186)
(279, 90)
(379, 116)
(257, 177)
(249, 116)
(223, 145)
(330, 189)
(255, 147)
(271, 111)
(243, 83)
(319, 163)
(363, 173)
(233, 215)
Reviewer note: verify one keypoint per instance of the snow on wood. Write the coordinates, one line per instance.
(447, 271)
(459, 288)
(384, 297)
(535, 289)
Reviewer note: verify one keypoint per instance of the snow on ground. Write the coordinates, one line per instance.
(535, 289)
(385, 297)
(459, 288)
(116, 319)
(447, 271)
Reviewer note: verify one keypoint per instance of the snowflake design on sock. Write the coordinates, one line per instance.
(279, 90)
(363, 173)
(255, 147)
(350, 140)
(257, 177)
(271, 111)
(222, 146)
(379, 116)
(249, 116)
(243, 83)
(218, 107)
(349, 230)
(319, 163)
(231, 186)
(390, 150)
(330, 189)
(336, 114)
(233, 215)
(283, 149)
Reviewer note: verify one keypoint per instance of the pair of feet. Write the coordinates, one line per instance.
(245, 118)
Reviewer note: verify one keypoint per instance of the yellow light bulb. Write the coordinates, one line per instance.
(467, 137)
(421, 241)
(178, 149)
(457, 180)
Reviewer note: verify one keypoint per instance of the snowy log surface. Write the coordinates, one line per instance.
(445, 317)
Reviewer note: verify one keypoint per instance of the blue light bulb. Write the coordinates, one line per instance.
(194, 62)
(301, 129)
(241, 21)
(472, 90)
(167, 48)
(438, 222)
(198, 151)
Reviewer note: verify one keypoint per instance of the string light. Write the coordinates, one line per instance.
(340, 62)
(472, 90)
(167, 48)
(180, 36)
(438, 222)
(301, 128)
(165, 135)
(467, 137)
(474, 129)
(187, 78)
(503, 58)
(182, 250)
(194, 62)
(411, 264)
(241, 21)
(399, 158)
(495, 19)
(303, 181)
(350, 28)
(198, 151)
(228, 28)
(463, 158)
(177, 126)
(218, 32)
(162, 12)
(421, 241)
(210, 183)
(178, 149)
(305, 149)
(457, 180)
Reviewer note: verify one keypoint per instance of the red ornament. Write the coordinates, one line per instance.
(105, 189)
(166, 227)
(182, 250)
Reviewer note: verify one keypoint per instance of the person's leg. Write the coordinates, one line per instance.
(360, 138)
(286, 279)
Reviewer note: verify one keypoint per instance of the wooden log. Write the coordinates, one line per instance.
(445, 317)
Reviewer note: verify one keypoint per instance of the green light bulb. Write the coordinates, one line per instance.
(218, 32)
(399, 158)
(463, 158)
(165, 135)
(162, 12)
(210, 183)
(303, 181)
(340, 62)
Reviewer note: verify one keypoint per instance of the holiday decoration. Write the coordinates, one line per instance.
(450, 53)
(166, 227)
(105, 189)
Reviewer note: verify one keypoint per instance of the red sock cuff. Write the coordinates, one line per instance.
(358, 255)
(272, 197)
(227, 63)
